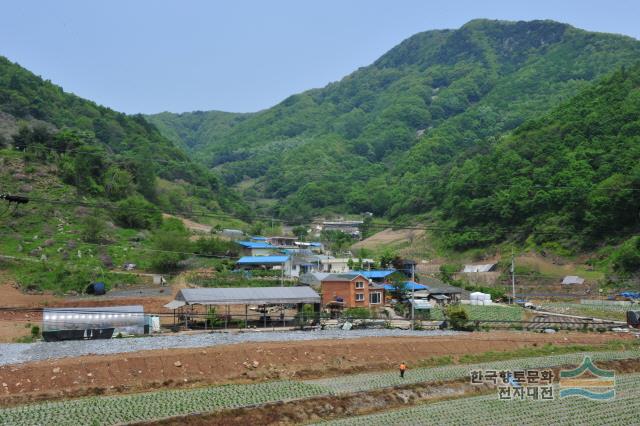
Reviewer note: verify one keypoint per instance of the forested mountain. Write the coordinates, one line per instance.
(103, 153)
(393, 137)
(199, 130)
(571, 175)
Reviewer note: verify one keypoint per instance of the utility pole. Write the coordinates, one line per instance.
(413, 297)
(513, 277)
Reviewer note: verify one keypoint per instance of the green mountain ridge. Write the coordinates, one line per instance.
(117, 155)
(390, 137)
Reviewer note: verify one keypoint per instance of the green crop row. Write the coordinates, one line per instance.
(489, 410)
(110, 410)
(113, 410)
(369, 381)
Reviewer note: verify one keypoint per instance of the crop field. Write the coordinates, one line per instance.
(111, 410)
(369, 381)
(485, 313)
(611, 312)
(489, 410)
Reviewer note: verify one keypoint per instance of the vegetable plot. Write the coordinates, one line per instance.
(603, 311)
(485, 313)
(489, 410)
(154, 405)
(369, 381)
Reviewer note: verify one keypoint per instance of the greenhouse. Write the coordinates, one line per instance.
(92, 323)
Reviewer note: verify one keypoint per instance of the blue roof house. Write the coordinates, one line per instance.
(255, 248)
(266, 263)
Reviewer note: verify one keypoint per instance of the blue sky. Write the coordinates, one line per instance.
(151, 56)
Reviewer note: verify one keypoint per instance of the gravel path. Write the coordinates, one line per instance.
(15, 353)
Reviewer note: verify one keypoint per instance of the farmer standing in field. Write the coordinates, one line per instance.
(403, 367)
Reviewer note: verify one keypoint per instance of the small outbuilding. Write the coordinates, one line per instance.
(486, 267)
(572, 280)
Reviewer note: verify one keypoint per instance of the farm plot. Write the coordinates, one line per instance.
(602, 311)
(369, 381)
(540, 322)
(489, 410)
(485, 313)
(155, 405)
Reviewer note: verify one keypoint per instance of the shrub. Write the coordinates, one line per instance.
(458, 318)
(357, 313)
(136, 212)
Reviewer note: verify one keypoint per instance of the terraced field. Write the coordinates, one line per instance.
(485, 313)
(603, 311)
(110, 410)
(489, 410)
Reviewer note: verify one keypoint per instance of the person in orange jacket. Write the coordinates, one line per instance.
(403, 368)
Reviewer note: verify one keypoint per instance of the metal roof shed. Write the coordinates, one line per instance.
(262, 260)
(248, 296)
(572, 279)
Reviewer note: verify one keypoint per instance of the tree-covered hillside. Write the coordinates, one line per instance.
(193, 129)
(98, 182)
(103, 153)
(387, 137)
(572, 175)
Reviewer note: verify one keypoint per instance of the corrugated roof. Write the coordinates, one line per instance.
(255, 245)
(174, 304)
(343, 277)
(409, 285)
(420, 304)
(248, 295)
(487, 267)
(262, 260)
(376, 273)
(572, 279)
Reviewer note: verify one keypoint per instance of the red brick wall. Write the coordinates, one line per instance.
(347, 290)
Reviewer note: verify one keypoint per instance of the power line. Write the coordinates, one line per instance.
(199, 213)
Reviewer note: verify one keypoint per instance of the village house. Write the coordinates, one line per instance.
(377, 275)
(351, 227)
(279, 263)
(253, 248)
(283, 242)
(340, 265)
(351, 290)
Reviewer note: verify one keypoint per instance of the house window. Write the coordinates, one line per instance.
(359, 297)
(375, 298)
(359, 284)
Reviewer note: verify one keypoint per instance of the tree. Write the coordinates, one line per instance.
(172, 245)
(387, 257)
(93, 230)
(457, 316)
(118, 183)
(136, 212)
(300, 232)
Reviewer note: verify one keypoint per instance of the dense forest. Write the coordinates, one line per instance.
(98, 183)
(103, 153)
(451, 126)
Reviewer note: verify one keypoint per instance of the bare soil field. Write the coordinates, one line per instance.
(388, 237)
(96, 375)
